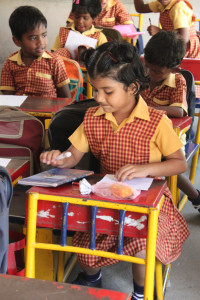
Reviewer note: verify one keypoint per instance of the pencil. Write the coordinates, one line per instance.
(63, 155)
(150, 21)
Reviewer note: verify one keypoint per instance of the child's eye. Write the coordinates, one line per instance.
(33, 38)
(108, 93)
(44, 35)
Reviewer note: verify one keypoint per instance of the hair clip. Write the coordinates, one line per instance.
(76, 1)
(111, 56)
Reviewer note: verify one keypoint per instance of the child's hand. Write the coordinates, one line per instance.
(49, 158)
(131, 171)
(153, 29)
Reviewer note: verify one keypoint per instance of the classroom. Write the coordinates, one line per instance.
(55, 265)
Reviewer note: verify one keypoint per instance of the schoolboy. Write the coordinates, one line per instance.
(175, 15)
(167, 89)
(113, 13)
(32, 70)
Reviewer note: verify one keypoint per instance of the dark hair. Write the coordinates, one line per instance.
(119, 61)
(25, 18)
(165, 49)
(93, 7)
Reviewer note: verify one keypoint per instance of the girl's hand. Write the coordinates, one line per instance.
(49, 158)
(132, 171)
(153, 29)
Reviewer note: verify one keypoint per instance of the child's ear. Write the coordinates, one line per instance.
(133, 88)
(17, 42)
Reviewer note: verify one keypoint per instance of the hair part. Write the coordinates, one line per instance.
(165, 49)
(25, 18)
(93, 7)
(118, 61)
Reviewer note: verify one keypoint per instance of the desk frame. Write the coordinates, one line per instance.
(149, 262)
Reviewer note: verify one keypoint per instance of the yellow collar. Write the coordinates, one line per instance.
(168, 6)
(170, 81)
(18, 58)
(92, 30)
(140, 111)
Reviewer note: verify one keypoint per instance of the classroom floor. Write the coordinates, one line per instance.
(185, 272)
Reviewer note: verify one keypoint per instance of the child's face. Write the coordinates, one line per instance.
(104, 3)
(33, 42)
(164, 2)
(157, 74)
(83, 22)
(112, 96)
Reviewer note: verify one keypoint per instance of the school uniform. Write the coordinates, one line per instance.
(114, 146)
(179, 14)
(93, 32)
(172, 92)
(113, 14)
(45, 74)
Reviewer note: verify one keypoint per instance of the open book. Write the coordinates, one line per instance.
(54, 177)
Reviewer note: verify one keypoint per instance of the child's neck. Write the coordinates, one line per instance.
(27, 60)
(154, 84)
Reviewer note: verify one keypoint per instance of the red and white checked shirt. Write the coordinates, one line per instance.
(42, 78)
(171, 92)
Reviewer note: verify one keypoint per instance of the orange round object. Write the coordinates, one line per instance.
(120, 190)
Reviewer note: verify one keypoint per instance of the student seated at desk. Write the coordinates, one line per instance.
(167, 90)
(113, 13)
(129, 139)
(84, 12)
(32, 70)
(175, 15)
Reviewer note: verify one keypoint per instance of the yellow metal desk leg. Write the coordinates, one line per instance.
(31, 235)
(150, 254)
(159, 280)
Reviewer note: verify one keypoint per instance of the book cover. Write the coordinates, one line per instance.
(54, 177)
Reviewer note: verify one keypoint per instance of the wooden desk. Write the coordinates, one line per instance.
(181, 125)
(20, 288)
(43, 106)
(148, 203)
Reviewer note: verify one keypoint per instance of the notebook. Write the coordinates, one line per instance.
(54, 177)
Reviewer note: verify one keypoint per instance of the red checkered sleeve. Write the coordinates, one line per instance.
(121, 14)
(178, 95)
(59, 71)
(7, 79)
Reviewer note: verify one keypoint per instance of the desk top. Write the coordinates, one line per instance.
(44, 104)
(21, 288)
(181, 123)
(18, 167)
(148, 198)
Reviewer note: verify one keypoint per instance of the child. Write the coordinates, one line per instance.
(167, 91)
(129, 138)
(32, 70)
(175, 15)
(84, 12)
(113, 13)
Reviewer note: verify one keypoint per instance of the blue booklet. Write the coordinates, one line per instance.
(54, 177)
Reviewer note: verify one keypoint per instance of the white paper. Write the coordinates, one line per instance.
(76, 39)
(12, 100)
(4, 162)
(136, 183)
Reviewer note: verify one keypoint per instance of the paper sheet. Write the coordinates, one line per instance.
(4, 162)
(12, 100)
(75, 39)
(137, 183)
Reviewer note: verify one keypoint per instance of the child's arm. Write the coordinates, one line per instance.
(172, 111)
(174, 164)
(141, 7)
(49, 158)
(64, 92)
